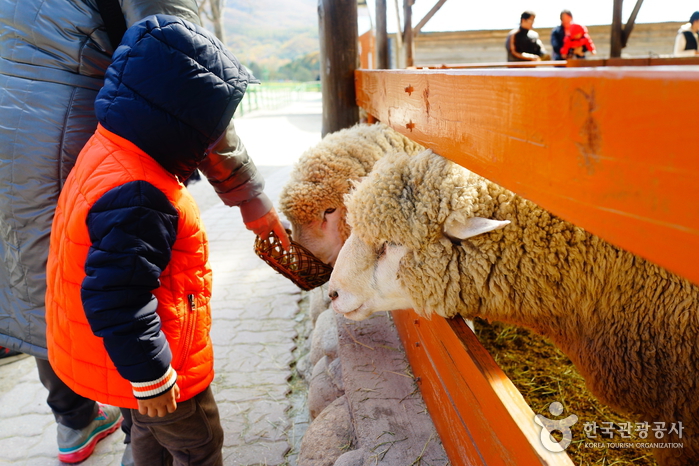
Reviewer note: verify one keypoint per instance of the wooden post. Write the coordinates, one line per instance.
(616, 45)
(630, 23)
(381, 36)
(428, 16)
(337, 21)
(399, 37)
(408, 32)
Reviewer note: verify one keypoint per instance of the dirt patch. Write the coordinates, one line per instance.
(543, 374)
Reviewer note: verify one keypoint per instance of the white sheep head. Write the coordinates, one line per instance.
(409, 218)
(366, 279)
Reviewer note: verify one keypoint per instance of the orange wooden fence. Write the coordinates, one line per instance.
(587, 63)
(613, 150)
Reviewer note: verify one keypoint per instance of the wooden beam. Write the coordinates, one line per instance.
(399, 36)
(649, 61)
(408, 32)
(617, 32)
(499, 64)
(480, 416)
(428, 16)
(630, 23)
(604, 148)
(337, 21)
(381, 36)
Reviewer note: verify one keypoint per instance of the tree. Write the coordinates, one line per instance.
(213, 11)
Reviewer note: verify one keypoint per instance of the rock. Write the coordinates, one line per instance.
(328, 437)
(351, 458)
(325, 386)
(304, 367)
(318, 301)
(325, 341)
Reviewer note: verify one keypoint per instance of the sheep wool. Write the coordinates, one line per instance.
(631, 327)
(324, 172)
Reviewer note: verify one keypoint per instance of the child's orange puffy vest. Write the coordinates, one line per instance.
(76, 354)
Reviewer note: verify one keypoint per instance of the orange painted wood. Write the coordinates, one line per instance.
(500, 64)
(613, 150)
(668, 61)
(480, 416)
(367, 50)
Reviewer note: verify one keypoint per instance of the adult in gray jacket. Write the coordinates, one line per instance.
(53, 56)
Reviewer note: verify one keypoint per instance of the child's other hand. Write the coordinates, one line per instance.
(160, 405)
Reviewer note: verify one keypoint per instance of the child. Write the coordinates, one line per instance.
(577, 42)
(129, 282)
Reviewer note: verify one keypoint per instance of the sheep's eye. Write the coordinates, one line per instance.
(330, 211)
(381, 251)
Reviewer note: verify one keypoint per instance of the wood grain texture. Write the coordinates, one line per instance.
(613, 150)
(481, 417)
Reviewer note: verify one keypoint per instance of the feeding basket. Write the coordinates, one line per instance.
(297, 264)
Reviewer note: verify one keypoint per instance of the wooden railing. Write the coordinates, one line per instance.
(587, 63)
(612, 150)
(273, 95)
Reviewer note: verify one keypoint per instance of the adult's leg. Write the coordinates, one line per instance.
(191, 436)
(81, 422)
(69, 408)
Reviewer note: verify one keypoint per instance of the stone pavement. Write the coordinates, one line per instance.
(258, 327)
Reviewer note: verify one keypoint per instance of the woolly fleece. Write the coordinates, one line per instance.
(323, 174)
(631, 327)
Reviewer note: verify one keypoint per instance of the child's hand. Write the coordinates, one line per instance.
(160, 405)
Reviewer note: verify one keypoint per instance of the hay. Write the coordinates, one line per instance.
(543, 374)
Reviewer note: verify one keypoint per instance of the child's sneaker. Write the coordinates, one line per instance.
(76, 445)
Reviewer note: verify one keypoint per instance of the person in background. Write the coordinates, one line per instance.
(687, 40)
(577, 42)
(128, 301)
(523, 43)
(559, 33)
(53, 58)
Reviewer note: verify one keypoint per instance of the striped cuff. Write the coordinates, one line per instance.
(145, 390)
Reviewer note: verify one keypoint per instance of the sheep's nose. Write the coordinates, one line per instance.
(332, 295)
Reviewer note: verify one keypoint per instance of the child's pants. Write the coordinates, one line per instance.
(190, 436)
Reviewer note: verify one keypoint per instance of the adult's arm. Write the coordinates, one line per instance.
(132, 230)
(234, 176)
(557, 40)
(136, 10)
(523, 55)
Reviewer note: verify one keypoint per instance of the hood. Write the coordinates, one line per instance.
(684, 27)
(576, 29)
(172, 89)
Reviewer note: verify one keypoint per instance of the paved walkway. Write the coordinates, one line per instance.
(258, 323)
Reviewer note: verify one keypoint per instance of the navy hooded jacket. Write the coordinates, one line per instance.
(171, 90)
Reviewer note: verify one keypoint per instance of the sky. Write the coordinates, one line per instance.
(462, 15)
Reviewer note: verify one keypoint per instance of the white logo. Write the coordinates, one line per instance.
(549, 426)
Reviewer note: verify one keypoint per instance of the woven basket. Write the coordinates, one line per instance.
(297, 264)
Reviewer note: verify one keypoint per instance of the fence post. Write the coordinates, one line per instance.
(338, 57)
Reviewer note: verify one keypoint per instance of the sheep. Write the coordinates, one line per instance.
(428, 234)
(312, 199)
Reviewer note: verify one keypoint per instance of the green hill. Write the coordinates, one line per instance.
(268, 34)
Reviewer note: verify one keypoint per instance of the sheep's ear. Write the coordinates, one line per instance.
(456, 227)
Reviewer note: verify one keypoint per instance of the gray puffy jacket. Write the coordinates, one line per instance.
(53, 55)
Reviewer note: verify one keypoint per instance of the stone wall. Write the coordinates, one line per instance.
(653, 39)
